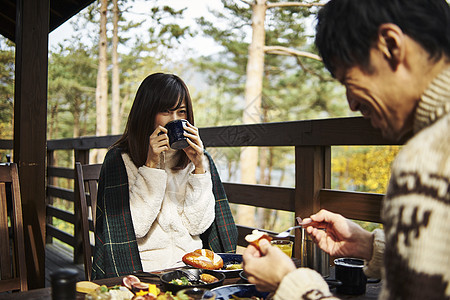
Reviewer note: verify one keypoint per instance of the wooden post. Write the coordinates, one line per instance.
(312, 173)
(30, 126)
(81, 156)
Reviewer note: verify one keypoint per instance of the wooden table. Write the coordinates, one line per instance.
(372, 290)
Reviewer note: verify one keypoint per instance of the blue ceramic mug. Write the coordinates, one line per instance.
(176, 131)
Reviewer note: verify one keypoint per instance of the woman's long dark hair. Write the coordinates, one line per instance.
(157, 93)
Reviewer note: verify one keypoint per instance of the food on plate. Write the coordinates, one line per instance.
(161, 296)
(180, 281)
(233, 266)
(139, 286)
(256, 236)
(203, 259)
(144, 297)
(204, 278)
(129, 280)
(86, 286)
(142, 291)
(114, 293)
(151, 293)
(208, 278)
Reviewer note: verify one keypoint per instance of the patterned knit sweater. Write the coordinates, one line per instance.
(414, 258)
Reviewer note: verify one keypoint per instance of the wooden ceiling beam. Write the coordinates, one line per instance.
(8, 19)
(60, 12)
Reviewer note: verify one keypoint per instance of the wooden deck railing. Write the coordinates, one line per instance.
(312, 140)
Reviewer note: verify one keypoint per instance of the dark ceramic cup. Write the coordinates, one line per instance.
(350, 272)
(177, 140)
(64, 284)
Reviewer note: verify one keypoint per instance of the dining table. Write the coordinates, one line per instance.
(372, 290)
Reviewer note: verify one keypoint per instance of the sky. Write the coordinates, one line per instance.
(195, 9)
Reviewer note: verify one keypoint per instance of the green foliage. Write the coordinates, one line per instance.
(293, 88)
(73, 75)
(168, 31)
(7, 56)
(71, 91)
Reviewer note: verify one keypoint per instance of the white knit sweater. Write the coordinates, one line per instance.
(169, 209)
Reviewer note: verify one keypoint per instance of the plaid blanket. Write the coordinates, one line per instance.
(116, 251)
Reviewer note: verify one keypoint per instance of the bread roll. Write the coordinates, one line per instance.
(208, 278)
(256, 236)
(203, 259)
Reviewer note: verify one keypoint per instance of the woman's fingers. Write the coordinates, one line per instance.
(197, 145)
(191, 132)
(158, 131)
(191, 128)
(159, 141)
(193, 138)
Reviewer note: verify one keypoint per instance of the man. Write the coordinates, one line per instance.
(393, 57)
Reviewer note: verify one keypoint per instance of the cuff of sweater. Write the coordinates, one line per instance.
(373, 267)
(302, 283)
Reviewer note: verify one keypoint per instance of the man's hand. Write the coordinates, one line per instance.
(341, 237)
(267, 267)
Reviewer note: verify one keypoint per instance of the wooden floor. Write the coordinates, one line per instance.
(57, 257)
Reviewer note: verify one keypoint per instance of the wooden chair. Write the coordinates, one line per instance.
(87, 180)
(13, 272)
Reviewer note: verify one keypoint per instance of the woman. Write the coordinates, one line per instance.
(154, 203)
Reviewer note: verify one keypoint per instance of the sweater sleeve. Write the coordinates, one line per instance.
(373, 267)
(147, 188)
(303, 283)
(198, 209)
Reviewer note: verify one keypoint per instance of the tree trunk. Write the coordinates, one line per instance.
(263, 214)
(76, 117)
(115, 104)
(101, 92)
(252, 110)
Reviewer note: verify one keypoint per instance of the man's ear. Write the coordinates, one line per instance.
(391, 42)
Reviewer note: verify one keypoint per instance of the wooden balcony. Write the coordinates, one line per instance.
(311, 139)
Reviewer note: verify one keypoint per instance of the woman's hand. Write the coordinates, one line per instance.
(158, 143)
(195, 149)
(341, 237)
(267, 267)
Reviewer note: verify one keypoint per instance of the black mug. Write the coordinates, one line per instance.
(177, 140)
(350, 272)
(64, 284)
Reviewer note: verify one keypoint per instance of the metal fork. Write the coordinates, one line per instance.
(286, 233)
(189, 275)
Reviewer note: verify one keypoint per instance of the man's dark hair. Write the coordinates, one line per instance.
(346, 29)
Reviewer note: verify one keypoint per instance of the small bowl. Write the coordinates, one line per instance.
(177, 274)
(239, 290)
(243, 276)
(230, 258)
